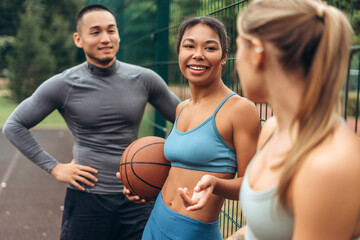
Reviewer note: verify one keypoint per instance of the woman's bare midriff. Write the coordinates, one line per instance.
(186, 178)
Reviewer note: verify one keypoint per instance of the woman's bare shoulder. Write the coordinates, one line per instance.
(335, 161)
(243, 109)
(329, 177)
(267, 129)
(244, 114)
(180, 106)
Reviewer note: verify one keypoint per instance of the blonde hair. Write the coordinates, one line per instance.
(315, 37)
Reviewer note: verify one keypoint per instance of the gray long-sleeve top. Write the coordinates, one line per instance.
(103, 109)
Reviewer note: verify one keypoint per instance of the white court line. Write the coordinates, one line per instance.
(9, 170)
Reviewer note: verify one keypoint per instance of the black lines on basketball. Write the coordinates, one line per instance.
(144, 168)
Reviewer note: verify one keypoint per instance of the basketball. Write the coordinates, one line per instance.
(144, 168)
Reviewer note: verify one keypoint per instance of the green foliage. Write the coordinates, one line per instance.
(61, 24)
(61, 44)
(31, 62)
(6, 47)
(10, 16)
(356, 27)
(6, 108)
(138, 17)
(353, 102)
(352, 10)
(36, 41)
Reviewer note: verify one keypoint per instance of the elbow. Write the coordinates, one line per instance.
(5, 129)
(9, 128)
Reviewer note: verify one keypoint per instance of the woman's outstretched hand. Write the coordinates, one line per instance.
(202, 191)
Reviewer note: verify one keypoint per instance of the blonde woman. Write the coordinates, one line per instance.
(304, 181)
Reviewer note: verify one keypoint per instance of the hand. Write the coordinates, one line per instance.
(238, 235)
(202, 191)
(132, 197)
(74, 173)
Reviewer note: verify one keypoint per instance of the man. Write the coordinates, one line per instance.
(102, 102)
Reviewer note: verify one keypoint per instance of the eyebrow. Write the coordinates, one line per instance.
(208, 41)
(97, 26)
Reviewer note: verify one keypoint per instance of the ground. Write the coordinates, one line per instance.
(31, 200)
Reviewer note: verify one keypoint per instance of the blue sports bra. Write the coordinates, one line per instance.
(201, 148)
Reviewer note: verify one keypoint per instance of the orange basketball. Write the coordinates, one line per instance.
(144, 168)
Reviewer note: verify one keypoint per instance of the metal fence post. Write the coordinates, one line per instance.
(161, 52)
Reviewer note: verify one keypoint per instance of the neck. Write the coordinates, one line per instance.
(285, 96)
(201, 93)
(101, 71)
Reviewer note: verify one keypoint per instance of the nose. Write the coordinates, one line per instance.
(105, 38)
(198, 54)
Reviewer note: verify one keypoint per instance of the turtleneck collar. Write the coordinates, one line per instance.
(103, 72)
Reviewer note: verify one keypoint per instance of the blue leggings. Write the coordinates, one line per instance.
(165, 223)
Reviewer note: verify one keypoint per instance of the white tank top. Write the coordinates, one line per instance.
(265, 218)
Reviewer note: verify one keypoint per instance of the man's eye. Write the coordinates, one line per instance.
(211, 48)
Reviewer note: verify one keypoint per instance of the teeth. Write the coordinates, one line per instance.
(197, 68)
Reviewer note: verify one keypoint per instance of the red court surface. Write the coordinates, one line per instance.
(31, 200)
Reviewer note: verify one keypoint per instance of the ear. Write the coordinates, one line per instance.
(77, 40)
(223, 61)
(257, 52)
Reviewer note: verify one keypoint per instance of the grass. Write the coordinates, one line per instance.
(6, 108)
(54, 120)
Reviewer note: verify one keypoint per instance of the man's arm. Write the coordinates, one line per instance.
(160, 96)
(27, 115)
(48, 97)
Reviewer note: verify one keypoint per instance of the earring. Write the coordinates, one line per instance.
(259, 49)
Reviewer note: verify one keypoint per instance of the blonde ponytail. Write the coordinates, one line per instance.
(316, 37)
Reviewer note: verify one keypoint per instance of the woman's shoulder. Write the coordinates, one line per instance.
(267, 129)
(334, 161)
(341, 148)
(329, 177)
(181, 105)
(243, 109)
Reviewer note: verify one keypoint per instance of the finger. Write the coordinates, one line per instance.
(85, 181)
(194, 207)
(77, 185)
(118, 175)
(184, 193)
(87, 169)
(135, 198)
(88, 176)
(126, 191)
(204, 183)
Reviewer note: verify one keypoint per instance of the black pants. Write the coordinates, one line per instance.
(90, 216)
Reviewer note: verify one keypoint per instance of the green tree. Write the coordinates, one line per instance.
(9, 16)
(31, 62)
(60, 17)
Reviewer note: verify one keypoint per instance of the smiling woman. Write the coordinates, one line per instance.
(213, 138)
(201, 55)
